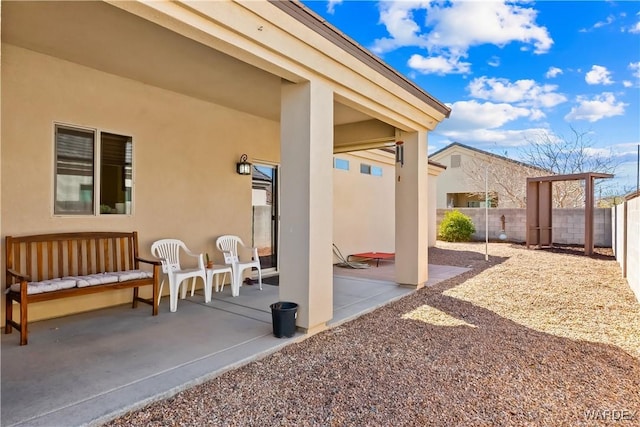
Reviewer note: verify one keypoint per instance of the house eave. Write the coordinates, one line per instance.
(318, 24)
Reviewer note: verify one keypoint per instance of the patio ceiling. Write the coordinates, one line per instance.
(100, 36)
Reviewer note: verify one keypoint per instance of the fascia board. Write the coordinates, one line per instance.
(342, 67)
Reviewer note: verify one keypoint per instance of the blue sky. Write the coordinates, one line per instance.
(513, 71)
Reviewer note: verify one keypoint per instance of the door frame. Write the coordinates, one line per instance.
(275, 215)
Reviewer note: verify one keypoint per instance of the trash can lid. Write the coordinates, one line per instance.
(283, 305)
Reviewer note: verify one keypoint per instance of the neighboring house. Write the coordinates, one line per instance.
(138, 124)
(470, 170)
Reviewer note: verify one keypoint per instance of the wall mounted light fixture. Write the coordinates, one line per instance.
(243, 167)
(400, 153)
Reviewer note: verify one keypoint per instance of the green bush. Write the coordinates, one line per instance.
(456, 227)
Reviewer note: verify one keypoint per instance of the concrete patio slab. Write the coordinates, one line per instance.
(88, 368)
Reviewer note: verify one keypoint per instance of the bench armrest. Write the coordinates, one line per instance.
(17, 275)
(149, 261)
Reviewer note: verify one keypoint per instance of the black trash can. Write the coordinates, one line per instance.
(284, 316)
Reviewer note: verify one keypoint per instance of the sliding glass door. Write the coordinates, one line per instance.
(265, 215)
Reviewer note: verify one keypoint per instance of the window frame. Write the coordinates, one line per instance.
(97, 171)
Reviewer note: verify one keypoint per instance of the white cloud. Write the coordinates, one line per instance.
(636, 28)
(597, 108)
(520, 92)
(438, 65)
(635, 68)
(598, 152)
(627, 83)
(471, 23)
(331, 5)
(553, 72)
(494, 61)
(598, 75)
(537, 114)
(608, 21)
(451, 28)
(472, 115)
(404, 31)
(626, 148)
(489, 139)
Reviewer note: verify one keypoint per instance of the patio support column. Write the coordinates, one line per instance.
(306, 202)
(411, 212)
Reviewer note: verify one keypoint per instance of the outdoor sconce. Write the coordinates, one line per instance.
(400, 153)
(243, 167)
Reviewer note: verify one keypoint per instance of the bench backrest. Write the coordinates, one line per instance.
(47, 256)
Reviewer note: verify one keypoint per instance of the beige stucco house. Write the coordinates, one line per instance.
(364, 208)
(127, 115)
(469, 171)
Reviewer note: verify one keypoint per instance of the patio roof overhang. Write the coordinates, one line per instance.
(232, 54)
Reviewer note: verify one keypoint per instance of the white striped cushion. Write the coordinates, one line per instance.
(123, 276)
(45, 286)
(94, 279)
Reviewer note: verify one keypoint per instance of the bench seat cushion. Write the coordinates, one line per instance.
(94, 279)
(45, 286)
(82, 281)
(123, 276)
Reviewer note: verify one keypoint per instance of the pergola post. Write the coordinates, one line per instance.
(540, 203)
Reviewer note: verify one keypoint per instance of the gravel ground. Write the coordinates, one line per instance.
(532, 338)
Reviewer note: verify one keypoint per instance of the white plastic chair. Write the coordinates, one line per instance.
(168, 251)
(228, 245)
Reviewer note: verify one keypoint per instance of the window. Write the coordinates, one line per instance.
(78, 184)
(341, 164)
(370, 170)
(455, 161)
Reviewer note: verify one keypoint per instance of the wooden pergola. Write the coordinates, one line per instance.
(540, 208)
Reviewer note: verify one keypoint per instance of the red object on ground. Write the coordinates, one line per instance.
(374, 255)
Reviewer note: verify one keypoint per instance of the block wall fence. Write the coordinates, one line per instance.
(626, 241)
(568, 224)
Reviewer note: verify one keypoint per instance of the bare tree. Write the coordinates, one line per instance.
(546, 154)
(506, 179)
(564, 155)
(568, 155)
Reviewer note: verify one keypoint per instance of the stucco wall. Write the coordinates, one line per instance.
(568, 224)
(633, 245)
(364, 205)
(628, 232)
(184, 156)
(455, 180)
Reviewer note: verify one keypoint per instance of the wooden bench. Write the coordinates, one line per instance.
(50, 266)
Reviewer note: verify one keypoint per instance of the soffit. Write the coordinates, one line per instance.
(103, 37)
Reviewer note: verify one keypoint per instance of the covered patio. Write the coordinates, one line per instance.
(192, 87)
(87, 368)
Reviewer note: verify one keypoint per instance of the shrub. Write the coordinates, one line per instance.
(456, 227)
